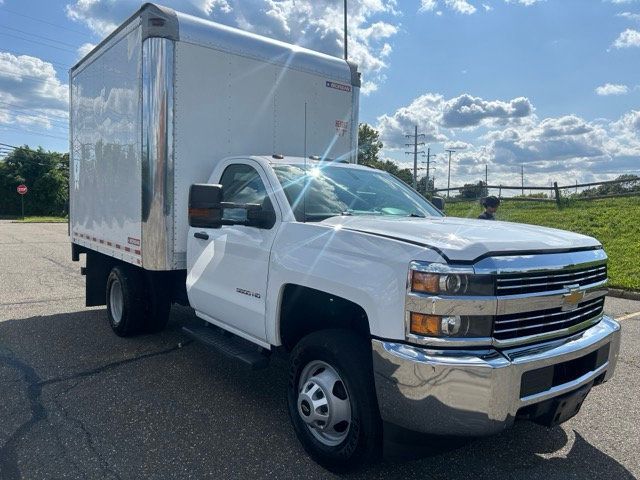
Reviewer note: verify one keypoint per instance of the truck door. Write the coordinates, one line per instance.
(227, 267)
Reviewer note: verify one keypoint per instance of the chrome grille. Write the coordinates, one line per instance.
(519, 283)
(507, 327)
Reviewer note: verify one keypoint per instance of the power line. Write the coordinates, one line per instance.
(58, 64)
(19, 77)
(59, 124)
(84, 34)
(21, 107)
(51, 119)
(31, 132)
(37, 42)
(25, 32)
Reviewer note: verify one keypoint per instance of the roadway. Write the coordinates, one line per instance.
(76, 401)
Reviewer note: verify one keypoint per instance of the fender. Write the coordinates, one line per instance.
(368, 270)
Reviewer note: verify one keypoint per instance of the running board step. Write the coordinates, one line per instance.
(229, 345)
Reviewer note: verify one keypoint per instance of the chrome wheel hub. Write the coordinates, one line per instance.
(323, 403)
(116, 301)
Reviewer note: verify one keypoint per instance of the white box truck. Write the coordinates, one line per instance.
(215, 168)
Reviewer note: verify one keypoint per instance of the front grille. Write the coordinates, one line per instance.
(507, 327)
(525, 283)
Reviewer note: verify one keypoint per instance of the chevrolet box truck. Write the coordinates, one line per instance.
(216, 168)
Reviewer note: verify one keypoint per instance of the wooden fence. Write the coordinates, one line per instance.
(552, 193)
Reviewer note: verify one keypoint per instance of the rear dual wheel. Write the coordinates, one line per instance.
(135, 304)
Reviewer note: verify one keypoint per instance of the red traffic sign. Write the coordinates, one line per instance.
(22, 189)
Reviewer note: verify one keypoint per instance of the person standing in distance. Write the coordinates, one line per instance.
(490, 205)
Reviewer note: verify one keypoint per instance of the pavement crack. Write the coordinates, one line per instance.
(90, 441)
(61, 265)
(30, 302)
(113, 365)
(9, 469)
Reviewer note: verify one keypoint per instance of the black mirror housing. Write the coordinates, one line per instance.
(261, 218)
(205, 210)
(438, 202)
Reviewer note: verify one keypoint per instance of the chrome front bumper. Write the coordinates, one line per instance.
(477, 392)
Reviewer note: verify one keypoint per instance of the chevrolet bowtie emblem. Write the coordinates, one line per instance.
(573, 298)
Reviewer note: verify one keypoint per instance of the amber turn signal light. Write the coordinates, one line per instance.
(422, 324)
(425, 282)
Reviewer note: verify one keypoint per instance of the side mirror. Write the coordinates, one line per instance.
(438, 202)
(205, 210)
(261, 217)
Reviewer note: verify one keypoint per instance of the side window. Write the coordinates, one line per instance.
(242, 184)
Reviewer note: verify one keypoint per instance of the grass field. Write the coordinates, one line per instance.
(615, 222)
(41, 220)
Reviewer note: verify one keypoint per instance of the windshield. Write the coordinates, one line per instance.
(333, 190)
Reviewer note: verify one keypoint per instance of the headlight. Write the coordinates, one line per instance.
(453, 326)
(442, 279)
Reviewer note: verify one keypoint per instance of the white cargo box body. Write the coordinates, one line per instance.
(164, 97)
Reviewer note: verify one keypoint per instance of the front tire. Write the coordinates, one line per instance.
(332, 400)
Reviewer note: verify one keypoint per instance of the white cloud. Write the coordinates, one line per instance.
(30, 93)
(459, 6)
(630, 16)
(313, 24)
(31, 81)
(467, 111)
(507, 134)
(629, 123)
(612, 89)
(436, 116)
(457, 145)
(526, 3)
(84, 49)
(487, 8)
(628, 38)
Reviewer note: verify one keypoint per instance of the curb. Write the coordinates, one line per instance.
(626, 294)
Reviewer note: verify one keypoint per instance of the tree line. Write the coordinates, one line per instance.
(46, 175)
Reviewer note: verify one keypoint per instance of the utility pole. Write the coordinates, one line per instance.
(486, 174)
(522, 178)
(449, 176)
(345, 30)
(426, 190)
(415, 153)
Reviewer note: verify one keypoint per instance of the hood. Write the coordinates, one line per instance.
(464, 240)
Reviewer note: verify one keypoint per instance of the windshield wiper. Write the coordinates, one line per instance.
(416, 215)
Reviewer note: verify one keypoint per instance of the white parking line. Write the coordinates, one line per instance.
(627, 317)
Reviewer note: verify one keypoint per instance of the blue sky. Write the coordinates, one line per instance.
(553, 85)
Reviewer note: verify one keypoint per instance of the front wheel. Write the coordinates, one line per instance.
(332, 400)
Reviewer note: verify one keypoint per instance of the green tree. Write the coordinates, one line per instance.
(422, 186)
(46, 174)
(474, 190)
(631, 184)
(369, 146)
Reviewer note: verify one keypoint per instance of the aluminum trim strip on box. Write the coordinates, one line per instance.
(157, 154)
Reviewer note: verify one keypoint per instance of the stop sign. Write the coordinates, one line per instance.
(22, 189)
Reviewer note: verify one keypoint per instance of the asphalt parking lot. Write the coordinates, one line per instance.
(78, 402)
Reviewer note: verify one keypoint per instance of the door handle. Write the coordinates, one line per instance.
(201, 235)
